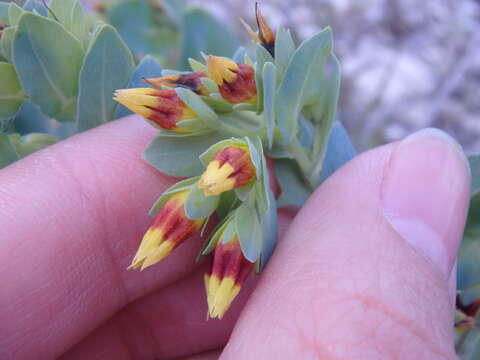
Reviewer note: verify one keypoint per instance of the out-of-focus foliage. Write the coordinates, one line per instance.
(64, 86)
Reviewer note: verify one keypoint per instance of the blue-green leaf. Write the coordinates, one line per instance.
(292, 91)
(14, 14)
(269, 87)
(294, 191)
(147, 68)
(474, 161)
(6, 42)
(4, 13)
(339, 150)
(8, 154)
(284, 49)
(249, 232)
(198, 206)
(200, 108)
(203, 32)
(34, 5)
(239, 55)
(48, 70)
(11, 94)
(166, 150)
(108, 66)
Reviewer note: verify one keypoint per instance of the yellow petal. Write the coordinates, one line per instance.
(215, 180)
(219, 69)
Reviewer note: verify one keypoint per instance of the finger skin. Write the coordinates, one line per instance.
(344, 285)
(72, 217)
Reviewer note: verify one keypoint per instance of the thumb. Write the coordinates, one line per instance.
(365, 268)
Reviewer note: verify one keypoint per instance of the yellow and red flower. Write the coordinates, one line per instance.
(228, 273)
(191, 81)
(170, 228)
(230, 168)
(236, 82)
(163, 107)
(265, 36)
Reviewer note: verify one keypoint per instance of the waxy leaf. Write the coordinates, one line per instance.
(294, 191)
(8, 154)
(177, 155)
(292, 92)
(249, 231)
(35, 6)
(284, 49)
(11, 94)
(6, 42)
(4, 19)
(48, 70)
(269, 87)
(474, 161)
(339, 150)
(108, 66)
(14, 14)
(198, 206)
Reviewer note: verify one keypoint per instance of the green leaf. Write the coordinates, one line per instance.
(269, 87)
(11, 94)
(143, 29)
(174, 9)
(200, 108)
(108, 66)
(339, 150)
(175, 188)
(197, 65)
(35, 6)
(284, 49)
(147, 68)
(294, 190)
(166, 150)
(228, 202)
(249, 232)
(4, 13)
(198, 206)
(292, 92)
(80, 24)
(204, 33)
(239, 55)
(8, 154)
(14, 14)
(468, 347)
(474, 161)
(28, 144)
(48, 70)
(6, 42)
(62, 10)
(468, 273)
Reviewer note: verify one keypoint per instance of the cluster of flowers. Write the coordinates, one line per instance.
(230, 167)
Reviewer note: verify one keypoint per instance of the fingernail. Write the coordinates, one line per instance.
(425, 194)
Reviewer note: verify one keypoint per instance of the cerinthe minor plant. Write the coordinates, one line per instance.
(228, 116)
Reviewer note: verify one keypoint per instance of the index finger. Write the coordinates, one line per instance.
(72, 216)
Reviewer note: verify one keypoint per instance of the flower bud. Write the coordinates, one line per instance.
(170, 228)
(229, 271)
(163, 107)
(191, 81)
(265, 36)
(230, 168)
(236, 82)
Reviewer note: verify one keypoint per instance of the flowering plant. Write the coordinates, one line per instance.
(219, 123)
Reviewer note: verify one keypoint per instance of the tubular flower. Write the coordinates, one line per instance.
(236, 81)
(265, 36)
(229, 271)
(163, 107)
(170, 228)
(191, 81)
(231, 167)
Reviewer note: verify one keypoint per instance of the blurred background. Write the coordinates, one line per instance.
(406, 64)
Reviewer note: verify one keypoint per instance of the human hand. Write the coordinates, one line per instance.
(364, 271)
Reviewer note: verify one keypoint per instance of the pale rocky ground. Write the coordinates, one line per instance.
(407, 64)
